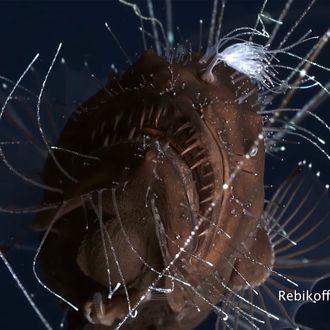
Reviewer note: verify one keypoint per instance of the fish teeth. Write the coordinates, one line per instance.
(198, 163)
(191, 147)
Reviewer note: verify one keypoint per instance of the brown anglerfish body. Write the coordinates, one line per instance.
(173, 196)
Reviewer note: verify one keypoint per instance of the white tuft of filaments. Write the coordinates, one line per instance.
(249, 58)
(253, 60)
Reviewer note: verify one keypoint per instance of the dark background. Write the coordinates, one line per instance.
(30, 27)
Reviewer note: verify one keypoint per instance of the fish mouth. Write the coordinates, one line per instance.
(190, 144)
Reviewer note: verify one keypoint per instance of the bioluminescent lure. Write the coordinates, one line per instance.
(153, 207)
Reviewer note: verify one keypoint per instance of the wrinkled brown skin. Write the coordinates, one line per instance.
(73, 257)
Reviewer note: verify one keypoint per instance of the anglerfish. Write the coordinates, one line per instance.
(167, 171)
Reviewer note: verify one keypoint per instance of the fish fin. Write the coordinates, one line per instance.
(296, 220)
